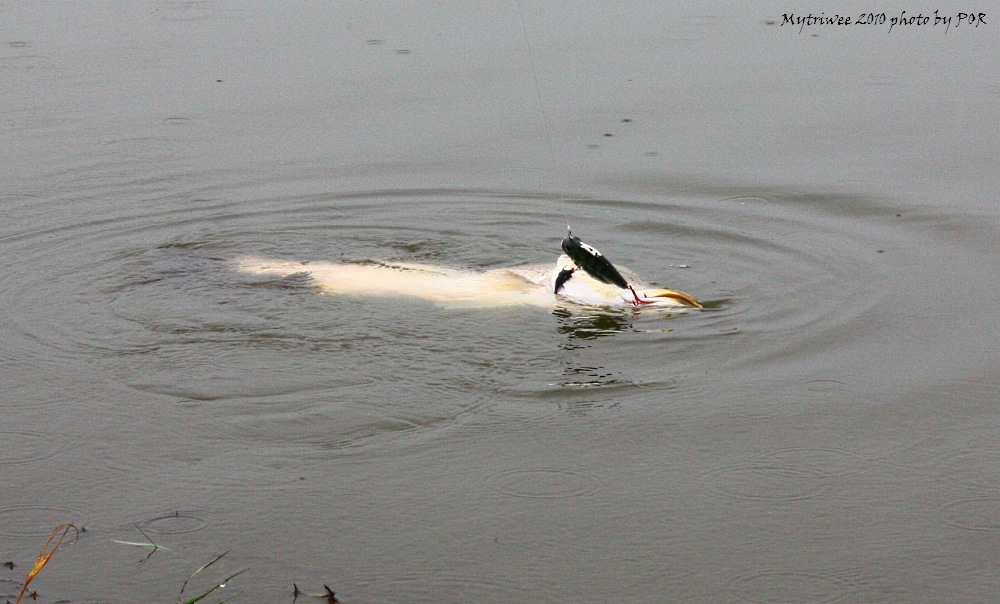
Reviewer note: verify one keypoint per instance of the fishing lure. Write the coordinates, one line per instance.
(593, 262)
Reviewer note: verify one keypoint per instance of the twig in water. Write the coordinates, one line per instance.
(331, 598)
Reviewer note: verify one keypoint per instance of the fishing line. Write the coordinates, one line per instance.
(538, 89)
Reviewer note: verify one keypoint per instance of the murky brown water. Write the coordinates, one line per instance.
(825, 431)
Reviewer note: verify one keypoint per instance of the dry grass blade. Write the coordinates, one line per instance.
(46, 554)
(149, 543)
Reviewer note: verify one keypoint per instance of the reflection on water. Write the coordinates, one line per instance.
(591, 323)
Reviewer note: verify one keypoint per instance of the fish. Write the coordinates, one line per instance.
(581, 276)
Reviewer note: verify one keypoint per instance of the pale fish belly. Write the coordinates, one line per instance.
(453, 287)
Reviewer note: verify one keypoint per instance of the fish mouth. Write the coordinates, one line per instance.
(579, 255)
(575, 283)
(652, 296)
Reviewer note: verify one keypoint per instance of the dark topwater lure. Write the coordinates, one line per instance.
(593, 263)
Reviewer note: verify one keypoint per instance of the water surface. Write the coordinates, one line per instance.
(824, 431)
